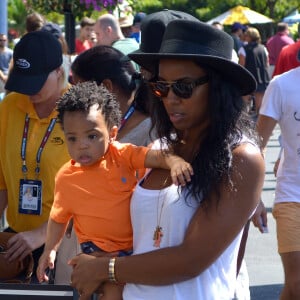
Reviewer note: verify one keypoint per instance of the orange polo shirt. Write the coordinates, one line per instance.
(98, 196)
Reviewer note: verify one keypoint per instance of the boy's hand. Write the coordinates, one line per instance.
(181, 171)
(46, 261)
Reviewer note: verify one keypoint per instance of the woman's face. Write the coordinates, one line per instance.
(51, 88)
(186, 114)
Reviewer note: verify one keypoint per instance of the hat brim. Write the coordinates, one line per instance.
(232, 71)
(24, 83)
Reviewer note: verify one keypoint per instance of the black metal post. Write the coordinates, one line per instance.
(70, 30)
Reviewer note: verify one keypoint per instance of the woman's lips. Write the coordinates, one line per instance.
(176, 117)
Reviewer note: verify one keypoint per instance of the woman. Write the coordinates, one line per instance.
(104, 64)
(254, 57)
(32, 143)
(120, 78)
(186, 241)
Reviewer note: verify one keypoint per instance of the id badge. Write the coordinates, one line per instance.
(30, 197)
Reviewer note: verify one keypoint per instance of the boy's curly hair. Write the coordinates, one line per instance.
(82, 96)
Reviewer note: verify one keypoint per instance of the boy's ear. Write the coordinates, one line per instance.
(113, 133)
(108, 84)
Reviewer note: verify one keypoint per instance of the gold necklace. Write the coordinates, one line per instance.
(158, 232)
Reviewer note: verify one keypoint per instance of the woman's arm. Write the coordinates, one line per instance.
(208, 235)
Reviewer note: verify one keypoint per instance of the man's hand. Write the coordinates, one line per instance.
(259, 218)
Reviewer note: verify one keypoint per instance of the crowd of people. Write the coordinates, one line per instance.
(128, 150)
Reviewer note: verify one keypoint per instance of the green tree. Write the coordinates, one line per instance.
(17, 13)
(208, 9)
(78, 8)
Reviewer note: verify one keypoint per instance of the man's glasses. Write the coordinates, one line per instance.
(182, 88)
(3, 40)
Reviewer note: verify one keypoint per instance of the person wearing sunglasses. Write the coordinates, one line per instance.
(182, 88)
(186, 240)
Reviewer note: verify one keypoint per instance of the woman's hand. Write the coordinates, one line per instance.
(86, 276)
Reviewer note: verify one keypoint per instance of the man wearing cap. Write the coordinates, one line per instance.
(136, 26)
(32, 143)
(126, 25)
(237, 30)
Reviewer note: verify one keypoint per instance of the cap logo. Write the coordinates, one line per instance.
(22, 63)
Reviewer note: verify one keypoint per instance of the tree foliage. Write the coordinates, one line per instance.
(202, 9)
(78, 8)
(208, 9)
(17, 13)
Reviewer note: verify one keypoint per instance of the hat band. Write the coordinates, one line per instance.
(180, 47)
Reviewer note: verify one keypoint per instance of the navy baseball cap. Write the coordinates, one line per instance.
(53, 28)
(36, 55)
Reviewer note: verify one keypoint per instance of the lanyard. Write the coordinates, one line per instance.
(41, 148)
(127, 115)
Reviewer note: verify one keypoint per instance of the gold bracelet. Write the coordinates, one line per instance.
(111, 270)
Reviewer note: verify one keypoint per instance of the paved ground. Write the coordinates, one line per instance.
(263, 262)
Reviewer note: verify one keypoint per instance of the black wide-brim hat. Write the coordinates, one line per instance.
(198, 41)
(153, 28)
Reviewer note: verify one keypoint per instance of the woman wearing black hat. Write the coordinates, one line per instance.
(186, 240)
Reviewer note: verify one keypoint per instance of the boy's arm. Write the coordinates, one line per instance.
(181, 170)
(55, 232)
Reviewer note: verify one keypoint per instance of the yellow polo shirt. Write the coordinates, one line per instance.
(13, 110)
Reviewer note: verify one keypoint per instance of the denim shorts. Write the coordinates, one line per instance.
(90, 247)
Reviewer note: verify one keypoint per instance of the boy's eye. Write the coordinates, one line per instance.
(92, 136)
(71, 139)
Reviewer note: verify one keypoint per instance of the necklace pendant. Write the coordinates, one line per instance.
(157, 236)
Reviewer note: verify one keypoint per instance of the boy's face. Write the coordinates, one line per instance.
(86, 32)
(87, 135)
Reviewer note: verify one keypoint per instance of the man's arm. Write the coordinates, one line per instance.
(264, 127)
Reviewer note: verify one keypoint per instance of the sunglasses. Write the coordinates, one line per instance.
(182, 88)
(3, 40)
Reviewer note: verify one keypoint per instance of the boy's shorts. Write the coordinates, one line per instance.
(90, 247)
(287, 216)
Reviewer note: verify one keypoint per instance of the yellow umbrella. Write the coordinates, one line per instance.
(241, 14)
